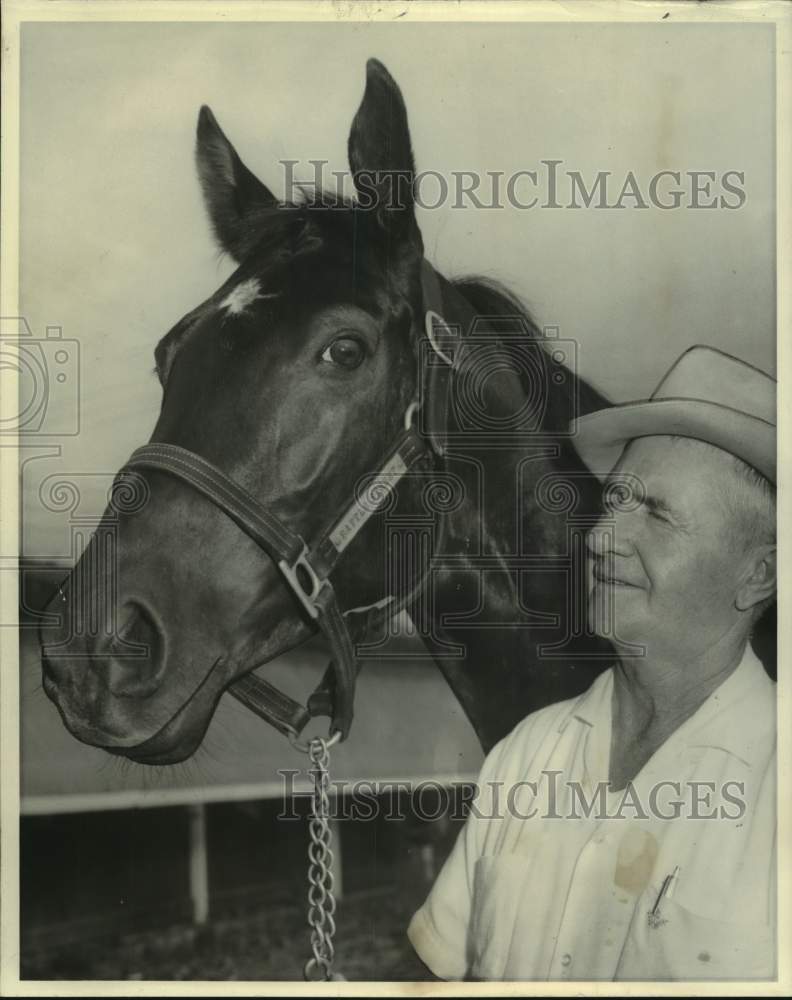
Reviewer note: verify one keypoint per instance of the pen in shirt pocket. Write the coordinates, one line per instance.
(666, 892)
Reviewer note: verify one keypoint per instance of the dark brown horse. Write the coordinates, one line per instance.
(289, 392)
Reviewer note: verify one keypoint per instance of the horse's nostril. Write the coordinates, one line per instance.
(136, 656)
(136, 625)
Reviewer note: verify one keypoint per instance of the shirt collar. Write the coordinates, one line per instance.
(593, 707)
(738, 717)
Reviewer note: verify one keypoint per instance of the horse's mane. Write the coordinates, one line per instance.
(491, 298)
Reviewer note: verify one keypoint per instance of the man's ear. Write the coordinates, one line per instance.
(232, 194)
(760, 579)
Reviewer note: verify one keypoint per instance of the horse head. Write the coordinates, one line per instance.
(293, 380)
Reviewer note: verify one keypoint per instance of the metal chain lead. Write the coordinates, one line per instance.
(321, 901)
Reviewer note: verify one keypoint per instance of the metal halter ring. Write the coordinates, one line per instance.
(409, 414)
(305, 747)
(430, 319)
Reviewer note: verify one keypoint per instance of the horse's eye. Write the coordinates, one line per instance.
(346, 352)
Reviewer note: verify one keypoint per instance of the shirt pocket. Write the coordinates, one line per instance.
(683, 945)
(508, 927)
(496, 896)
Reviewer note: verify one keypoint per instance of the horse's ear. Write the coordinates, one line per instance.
(380, 153)
(232, 194)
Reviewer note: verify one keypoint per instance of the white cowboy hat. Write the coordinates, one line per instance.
(707, 395)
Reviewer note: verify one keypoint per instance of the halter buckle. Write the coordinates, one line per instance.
(293, 572)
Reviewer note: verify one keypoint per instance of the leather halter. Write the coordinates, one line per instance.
(307, 570)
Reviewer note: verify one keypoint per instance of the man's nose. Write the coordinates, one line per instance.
(613, 534)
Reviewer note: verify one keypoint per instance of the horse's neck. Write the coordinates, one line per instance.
(501, 588)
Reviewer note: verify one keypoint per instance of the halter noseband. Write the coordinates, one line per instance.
(305, 569)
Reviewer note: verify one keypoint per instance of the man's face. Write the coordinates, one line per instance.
(665, 559)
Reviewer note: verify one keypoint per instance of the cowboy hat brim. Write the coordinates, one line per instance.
(600, 437)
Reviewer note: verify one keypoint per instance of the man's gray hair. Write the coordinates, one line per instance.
(750, 497)
(753, 499)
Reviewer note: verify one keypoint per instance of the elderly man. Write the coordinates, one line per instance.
(630, 833)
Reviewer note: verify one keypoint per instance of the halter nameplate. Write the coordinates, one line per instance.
(359, 512)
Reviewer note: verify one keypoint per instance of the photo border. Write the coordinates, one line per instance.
(18, 12)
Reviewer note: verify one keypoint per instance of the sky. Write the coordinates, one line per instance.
(115, 245)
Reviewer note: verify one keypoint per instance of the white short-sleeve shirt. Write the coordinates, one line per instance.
(553, 877)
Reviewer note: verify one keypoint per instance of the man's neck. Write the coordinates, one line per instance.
(653, 696)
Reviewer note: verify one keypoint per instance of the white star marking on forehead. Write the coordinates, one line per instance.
(244, 295)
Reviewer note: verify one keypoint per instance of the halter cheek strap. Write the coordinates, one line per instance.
(442, 349)
(307, 569)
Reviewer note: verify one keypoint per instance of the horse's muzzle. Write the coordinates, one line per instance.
(103, 676)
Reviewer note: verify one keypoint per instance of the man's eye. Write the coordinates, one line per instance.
(345, 352)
